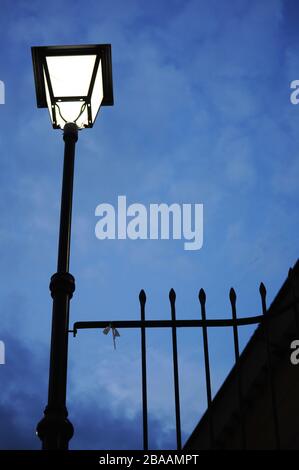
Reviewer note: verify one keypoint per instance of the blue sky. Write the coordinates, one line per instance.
(202, 114)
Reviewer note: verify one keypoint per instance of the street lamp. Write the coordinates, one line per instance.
(73, 82)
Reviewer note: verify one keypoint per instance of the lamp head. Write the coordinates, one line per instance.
(73, 82)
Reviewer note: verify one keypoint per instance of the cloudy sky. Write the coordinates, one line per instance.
(202, 114)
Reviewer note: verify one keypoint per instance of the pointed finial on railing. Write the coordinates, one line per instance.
(263, 290)
(142, 297)
(172, 295)
(263, 293)
(232, 295)
(202, 296)
(233, 299)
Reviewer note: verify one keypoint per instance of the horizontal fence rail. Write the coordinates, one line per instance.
(204, 323)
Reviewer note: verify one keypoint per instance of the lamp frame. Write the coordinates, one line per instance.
(102, 52)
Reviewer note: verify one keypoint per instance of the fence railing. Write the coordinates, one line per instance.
(204, 323)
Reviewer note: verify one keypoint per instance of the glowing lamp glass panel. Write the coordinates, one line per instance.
(50, 106)
(97, 93)
(70, 78)
(70, 75)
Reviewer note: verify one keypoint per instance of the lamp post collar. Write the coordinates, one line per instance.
(70, 131)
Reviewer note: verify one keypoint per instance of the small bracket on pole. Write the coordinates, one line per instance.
(74, 332)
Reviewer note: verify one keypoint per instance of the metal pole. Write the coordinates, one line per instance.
(142, 299)
(202, 300)
(55, 430)
(233, 299)
(172, 297)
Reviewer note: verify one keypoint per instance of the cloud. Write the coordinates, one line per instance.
(98, 426)
(101, 429)
(22, 394)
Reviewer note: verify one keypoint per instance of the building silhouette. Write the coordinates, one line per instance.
(257, 406)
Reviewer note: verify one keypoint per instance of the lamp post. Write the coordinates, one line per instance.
(73, 82)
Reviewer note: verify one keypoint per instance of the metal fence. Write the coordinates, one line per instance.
(204, 323)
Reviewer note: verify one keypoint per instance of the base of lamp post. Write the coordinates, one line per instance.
(55, 430)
